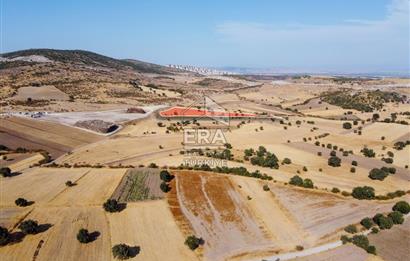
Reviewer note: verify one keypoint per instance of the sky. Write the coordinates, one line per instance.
(346, 36)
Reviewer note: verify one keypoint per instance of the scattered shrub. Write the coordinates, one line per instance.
(299, 248)
(286, 161)
(378, 174)
(193, 242)
(402, 206)
(111, 205)
(29, 227)
(345, 239)
(367, 223)
(5, 172)
(382, 221)
(122, 251)
(368, 152)
(164, 187)
(347, 125)
(335, 190)
(4, 236)
(371, 250)
(354, 163)
(360, 241)
(266, 187)
(388, 160)
(83, 236)
(307, 183)
(69, 183)
(375, 230)
(352, 169)
(396, 217)
(351, 229)
(334, 161)
(364, 192)
(296, 181)
(21, 202)
(166, 176)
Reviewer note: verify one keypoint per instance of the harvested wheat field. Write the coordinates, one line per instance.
(95, 187)
(54, 138)
(40, 185)
(124, 150)
(58, 239)
(150, 227)
(26, 163)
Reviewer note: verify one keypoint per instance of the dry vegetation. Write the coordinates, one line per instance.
(302, 120)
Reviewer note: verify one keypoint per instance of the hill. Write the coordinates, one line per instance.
(81, 57)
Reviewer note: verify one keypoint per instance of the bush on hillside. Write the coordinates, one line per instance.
(193, 242)
(367, 223)
(29, 227)
(378, 174)
(4, 236)
(334, 161)
(402, 206)
(396, 217)
(364, 192)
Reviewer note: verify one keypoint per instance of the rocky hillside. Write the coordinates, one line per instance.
(78, 73)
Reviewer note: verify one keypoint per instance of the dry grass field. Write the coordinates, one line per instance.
(150, 226)
(40, 93)
(298, 118)
(231, 212)
(21, 161)
(55, 138)
(393, 244)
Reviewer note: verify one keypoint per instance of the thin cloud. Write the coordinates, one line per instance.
(379, 45)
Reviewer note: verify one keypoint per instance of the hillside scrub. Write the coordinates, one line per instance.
(364, 101)
(193, 242)
(378, 174)
(334, 161)
(402, 206)
(262, 158)
(364, 192)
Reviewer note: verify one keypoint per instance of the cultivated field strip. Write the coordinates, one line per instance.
(52, 137)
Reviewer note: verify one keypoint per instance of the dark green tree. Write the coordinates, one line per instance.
(166, 176)
(367, 223)
(83, 236)
(4, 236)
(396, 217)
(364, 192)
(296, 180)
(402, 206)
(21, 202)
(29, 227)
(193, 242)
